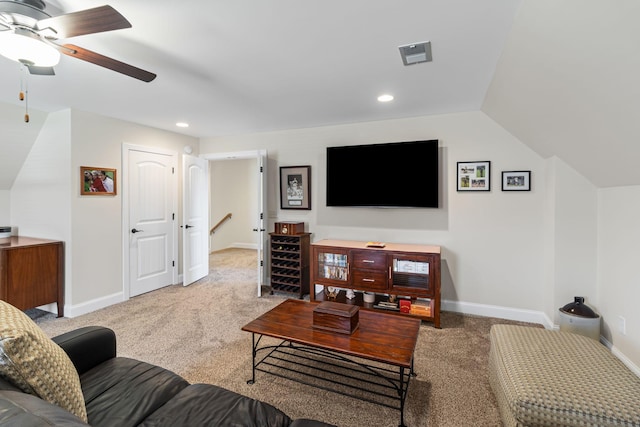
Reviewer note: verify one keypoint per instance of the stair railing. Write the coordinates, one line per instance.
(215, 227)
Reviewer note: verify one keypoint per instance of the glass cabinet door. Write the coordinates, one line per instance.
(411, 273)
(332, 265)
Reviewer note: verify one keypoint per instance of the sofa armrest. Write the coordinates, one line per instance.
(25, 410)
(88, 347)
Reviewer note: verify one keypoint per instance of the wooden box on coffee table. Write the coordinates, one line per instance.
(336, 317)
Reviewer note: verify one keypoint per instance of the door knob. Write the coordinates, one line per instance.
(133, 230)
(189, 226)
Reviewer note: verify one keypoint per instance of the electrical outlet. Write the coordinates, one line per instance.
(622, 325)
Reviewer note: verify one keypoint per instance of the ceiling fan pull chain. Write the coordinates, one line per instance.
(22, 72)
(26, 98)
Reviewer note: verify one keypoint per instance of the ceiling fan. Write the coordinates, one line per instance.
(30, 36)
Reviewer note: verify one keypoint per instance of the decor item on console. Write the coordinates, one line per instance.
(332, 293)
(5, 235)
(289, 227)
(77, 378)
(295, 187)
(474, 176)
(369, 297)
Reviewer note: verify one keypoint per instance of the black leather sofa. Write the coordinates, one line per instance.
(123, 392)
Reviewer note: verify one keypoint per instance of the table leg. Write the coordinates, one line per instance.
(253, 359)
(402, 392)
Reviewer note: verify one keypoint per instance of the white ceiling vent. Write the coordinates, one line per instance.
(415, 53)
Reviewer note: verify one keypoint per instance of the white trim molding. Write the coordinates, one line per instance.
(72, 311)
(520, 315)
(624, 359)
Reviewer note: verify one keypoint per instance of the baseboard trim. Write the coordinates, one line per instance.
(509, 313)
(93, 305)
(244, 245)
(624, 359)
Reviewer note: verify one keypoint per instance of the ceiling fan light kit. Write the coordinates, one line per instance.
(30, 36)
(25, 46)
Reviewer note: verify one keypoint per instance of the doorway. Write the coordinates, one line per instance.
(237, 204)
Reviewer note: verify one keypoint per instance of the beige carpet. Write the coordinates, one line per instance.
(195, 331)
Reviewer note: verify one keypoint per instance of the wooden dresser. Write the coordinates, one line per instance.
(32, 273)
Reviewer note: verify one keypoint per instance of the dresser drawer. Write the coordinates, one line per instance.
(370, 260)
(370, 279)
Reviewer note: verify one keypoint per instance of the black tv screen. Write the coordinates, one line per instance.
(398, 174)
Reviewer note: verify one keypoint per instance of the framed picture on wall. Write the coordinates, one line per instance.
(295, 187)
(474, 176)
(516, 181)
(97, 181)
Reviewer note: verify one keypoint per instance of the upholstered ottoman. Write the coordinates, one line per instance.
(549, 378)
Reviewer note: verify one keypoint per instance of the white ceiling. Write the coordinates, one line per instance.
(234, 67)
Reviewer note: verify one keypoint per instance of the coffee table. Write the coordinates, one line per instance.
(374, 363)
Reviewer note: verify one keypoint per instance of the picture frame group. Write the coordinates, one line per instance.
(474, 176)
(98, 181)
(295, 187)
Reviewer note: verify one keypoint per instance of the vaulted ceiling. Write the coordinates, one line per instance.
(561, 75)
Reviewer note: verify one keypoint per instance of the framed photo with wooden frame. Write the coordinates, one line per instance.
(295, 187)
(516, 181)
(97, 181)
(474, 176)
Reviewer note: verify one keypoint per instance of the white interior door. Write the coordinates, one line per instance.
(195, 214)
(151, 201)
(262, 207)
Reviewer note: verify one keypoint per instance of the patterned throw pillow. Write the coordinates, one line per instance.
(33, 362)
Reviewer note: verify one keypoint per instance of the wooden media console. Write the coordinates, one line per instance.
(392, 270)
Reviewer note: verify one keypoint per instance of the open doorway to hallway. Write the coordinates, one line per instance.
(233, 206)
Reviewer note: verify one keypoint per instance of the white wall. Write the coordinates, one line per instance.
(492, 242)
(618, 273)
(234, 190)
(46, 200)
(5, 211)
(575, 238)
(97, 221)
(40, 200)
(40, 193)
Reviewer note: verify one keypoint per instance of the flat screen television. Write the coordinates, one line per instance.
(391, 175)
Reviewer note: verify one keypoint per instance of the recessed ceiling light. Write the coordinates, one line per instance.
(182, 125)
(385, 98)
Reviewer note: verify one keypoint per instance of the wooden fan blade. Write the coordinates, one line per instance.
(110, 63)
(90, 21)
